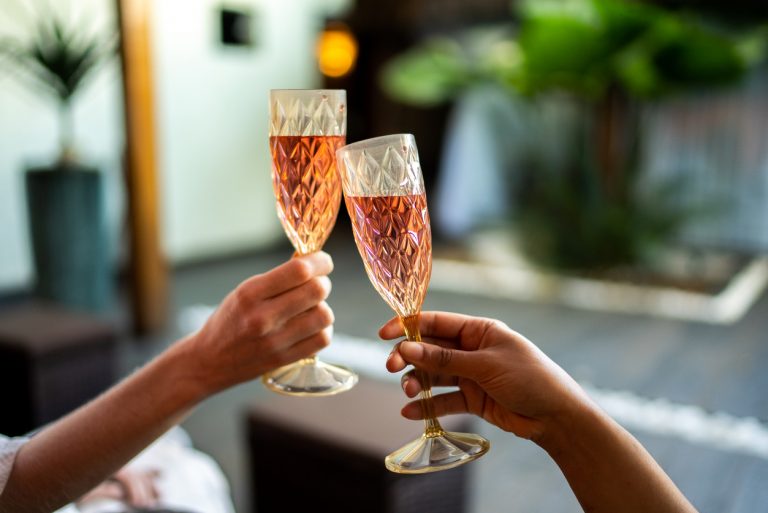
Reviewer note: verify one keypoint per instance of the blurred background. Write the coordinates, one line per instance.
(597, 175)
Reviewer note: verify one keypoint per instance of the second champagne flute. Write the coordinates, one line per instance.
(306, 127)
(385, 197)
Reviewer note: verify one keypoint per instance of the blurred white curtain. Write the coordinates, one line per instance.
(717, 142)
(472, 186)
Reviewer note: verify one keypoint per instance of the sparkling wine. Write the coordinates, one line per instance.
(307, 187)
(395, 242)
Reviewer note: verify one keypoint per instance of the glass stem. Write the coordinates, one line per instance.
(432, 427)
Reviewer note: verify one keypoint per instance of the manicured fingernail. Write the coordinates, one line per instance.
(411, 411)
(412, 351)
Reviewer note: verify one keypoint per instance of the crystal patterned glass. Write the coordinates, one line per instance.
(306, 128)
(385, 196)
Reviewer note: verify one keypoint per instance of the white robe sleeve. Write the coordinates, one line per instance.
(8, 449)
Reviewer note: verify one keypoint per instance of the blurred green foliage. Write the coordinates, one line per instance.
(567, 221)
(581, 47)
(608, 56)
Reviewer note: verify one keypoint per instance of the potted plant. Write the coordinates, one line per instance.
(606, 58)
(64, 199)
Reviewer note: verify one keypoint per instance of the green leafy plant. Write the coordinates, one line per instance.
(609, 57)
(58, 60)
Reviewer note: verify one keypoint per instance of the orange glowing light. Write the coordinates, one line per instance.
(336, 51)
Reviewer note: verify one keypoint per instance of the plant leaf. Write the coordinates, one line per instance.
(56, 58)
(428, 75)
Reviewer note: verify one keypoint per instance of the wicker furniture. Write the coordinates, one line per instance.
(51, 361)
(330, 451)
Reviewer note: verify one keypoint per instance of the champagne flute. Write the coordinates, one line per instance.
(306, 128)
(384, 193)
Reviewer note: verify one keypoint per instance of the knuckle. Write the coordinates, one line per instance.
(499, 325)
(324, 338)
(270, 344)
(271, 362)
(326, 314)
(303, 270)
(443, 357)
(319, 288)
(241, 296)
(259, 324)
(328, 284)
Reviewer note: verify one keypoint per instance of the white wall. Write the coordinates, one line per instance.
(212, 119)
(211, 109)
(29, 133)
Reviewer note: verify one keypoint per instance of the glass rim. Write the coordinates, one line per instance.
(308, 112)
(305, 89)
(376, 142)
(309, 91)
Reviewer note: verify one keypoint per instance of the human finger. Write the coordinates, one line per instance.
(411, 384)
(299, 299)
(442, 360)
(306, 347)
(136, 492)
(287, 276)
(109, 489)
(391, 329)
(444, 325)
(148, 493)
(435, 324)
(442, 404)
(299, 327)
(395, 361)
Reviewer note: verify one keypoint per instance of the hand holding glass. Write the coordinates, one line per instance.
(306, 127)
(385, 197)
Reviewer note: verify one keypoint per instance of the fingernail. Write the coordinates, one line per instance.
(412, 351)
(404, 382)
(411, 411)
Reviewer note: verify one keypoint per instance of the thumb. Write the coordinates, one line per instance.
(440, 360)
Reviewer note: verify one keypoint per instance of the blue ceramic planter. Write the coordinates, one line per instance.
(68, 236)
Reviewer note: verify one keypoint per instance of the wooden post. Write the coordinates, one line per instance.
(148, 271)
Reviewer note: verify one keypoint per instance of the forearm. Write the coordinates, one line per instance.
(608, 469)
(73, 455)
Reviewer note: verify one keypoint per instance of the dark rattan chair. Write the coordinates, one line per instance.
(327, 454)
(51, 361)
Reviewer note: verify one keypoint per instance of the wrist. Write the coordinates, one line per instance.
(564, 431)
(190, 379)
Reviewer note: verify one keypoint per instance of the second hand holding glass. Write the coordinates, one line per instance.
(385, 197)
(305, 130)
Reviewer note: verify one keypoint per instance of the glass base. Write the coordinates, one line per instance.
(310, 377)
(437, 452)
